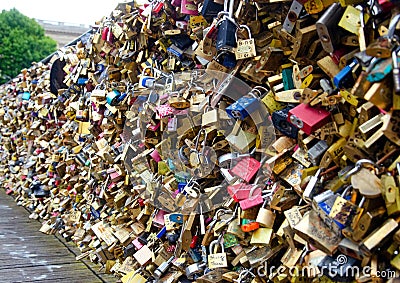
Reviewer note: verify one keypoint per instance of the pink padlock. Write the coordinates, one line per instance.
(253, 200)
(188, 7)
(155, 155)
(153, 127)
(246, 168)
(176, 3)
(138, 245)
(240, 191)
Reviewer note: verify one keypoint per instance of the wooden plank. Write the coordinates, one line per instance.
(27, 255)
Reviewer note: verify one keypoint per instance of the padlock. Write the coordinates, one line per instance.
(193, 269)
(246, 168)
(223, 62)
(234, 229)
(205, 50)
(249, 225)
(293, 14)
(315, 152)
(313, 230)
(226, 36)
(345, 79)
(246, 105)
(252, 201)
(375, 239)
(308, 118)
(239, 191)
(280, 120)
(189, 7)
(246, 48)
(367, 223)
(211, 9)
(266, 217)
(327, 29)
(270, 59)
(216, 260)
(114, 97)
(390, 194)
(382, 47)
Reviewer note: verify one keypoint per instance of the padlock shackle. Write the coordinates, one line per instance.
(216, 242)
(362, 163)
(244, 273)
(256, 186)
(246, 28)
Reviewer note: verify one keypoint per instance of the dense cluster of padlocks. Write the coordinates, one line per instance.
(234, 141)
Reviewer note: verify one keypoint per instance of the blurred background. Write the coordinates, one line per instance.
(32, 30)
(72, 11)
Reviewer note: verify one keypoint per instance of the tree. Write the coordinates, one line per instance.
(22, 41)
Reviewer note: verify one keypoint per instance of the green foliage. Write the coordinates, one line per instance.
(22, 41)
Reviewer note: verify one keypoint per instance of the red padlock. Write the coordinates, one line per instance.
(250, 226)
(307, 118)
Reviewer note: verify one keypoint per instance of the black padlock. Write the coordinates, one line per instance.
(143, 238)
(226, 36)
(211, 9)
(182, 41)
(129, 250)
(279, 119)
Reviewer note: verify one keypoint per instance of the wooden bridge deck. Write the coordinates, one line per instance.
(27, 255)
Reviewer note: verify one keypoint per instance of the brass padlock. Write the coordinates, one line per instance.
(217, 260)
(265, 217)
(178, 102)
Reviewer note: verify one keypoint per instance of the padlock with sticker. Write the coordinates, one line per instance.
(217, 260)
(246, 48)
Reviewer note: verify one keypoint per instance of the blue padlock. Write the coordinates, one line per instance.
(242, 108)
(279, 119)
(211, 9)
(114, 97)
(26, 95)
(344, 79)
(175, 50)
(181, 186)
(226, 36)
(146, 81)
(245, 105)
(229, 60)
(162, 232)
(82, 81)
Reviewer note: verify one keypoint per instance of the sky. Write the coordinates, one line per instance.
(71, 11)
